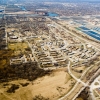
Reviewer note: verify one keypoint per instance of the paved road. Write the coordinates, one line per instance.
(78, 80)
(33, 53)
(77, 36)
(93, 86)
(75, 86)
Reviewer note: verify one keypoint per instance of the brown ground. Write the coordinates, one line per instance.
(52, 86)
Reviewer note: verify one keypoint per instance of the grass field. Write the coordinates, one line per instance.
(14, 49)
(5, 56)
(18, 47)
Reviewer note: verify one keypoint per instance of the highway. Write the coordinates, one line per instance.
(67, 31)
(79, 81)
(73, 91)
(79, 85)
(93, 86)
(75, 86)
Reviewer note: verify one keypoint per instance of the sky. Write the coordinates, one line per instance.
(68, 0)
(56, 0)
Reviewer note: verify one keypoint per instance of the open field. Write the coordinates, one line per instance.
(58, 83)
(5, 56)
(18, 47)
(78, 71)
(52, 86)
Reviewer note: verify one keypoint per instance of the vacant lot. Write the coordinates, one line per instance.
(52, 86)
(18, 47)
(5, 56)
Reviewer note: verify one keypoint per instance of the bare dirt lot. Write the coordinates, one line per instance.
(50, 87)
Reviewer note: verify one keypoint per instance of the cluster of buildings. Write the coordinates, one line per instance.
(51, 44)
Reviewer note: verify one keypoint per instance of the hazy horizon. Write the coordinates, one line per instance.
(52, 0)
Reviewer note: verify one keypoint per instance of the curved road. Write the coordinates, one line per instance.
(75, 86)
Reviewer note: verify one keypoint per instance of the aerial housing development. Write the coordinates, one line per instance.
(49, 50)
